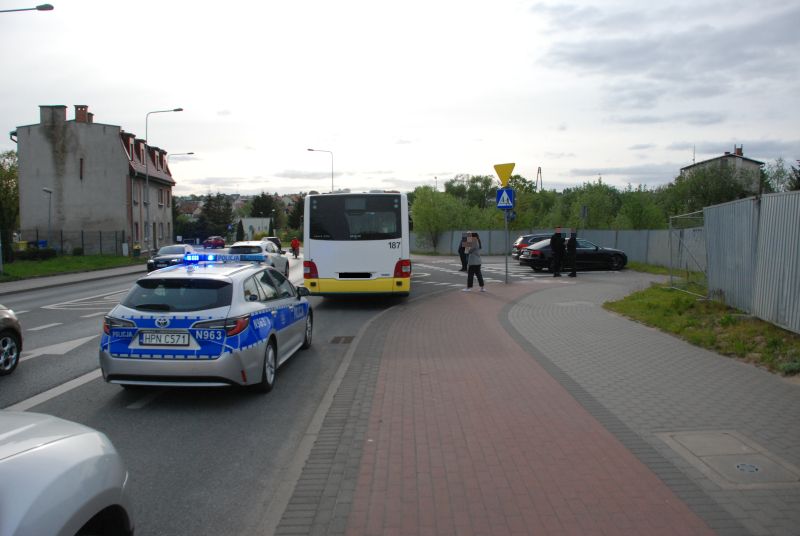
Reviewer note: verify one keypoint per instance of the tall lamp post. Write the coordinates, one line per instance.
(42, 7)
(49, 193)
(147, 173)
(331, 153)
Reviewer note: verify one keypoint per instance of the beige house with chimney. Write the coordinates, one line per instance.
(82, 184)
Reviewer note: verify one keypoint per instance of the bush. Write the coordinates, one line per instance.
(35, 254)
(77, 252)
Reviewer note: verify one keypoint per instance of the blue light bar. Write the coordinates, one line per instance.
(194, 258)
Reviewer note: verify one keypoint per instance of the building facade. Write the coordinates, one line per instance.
(747, 170)
(81, 182)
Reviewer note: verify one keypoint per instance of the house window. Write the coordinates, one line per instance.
(160, 197)
(141, 153)
(130, 149)
(169, 198)
(136, 231)
(81, 169)
(161, 231)
(169, 231)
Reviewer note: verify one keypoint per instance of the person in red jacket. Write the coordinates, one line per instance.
(295, 245)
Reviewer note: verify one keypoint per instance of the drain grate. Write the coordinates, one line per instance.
(344, 339)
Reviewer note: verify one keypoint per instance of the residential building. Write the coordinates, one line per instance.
(81, 182)
(745, 169)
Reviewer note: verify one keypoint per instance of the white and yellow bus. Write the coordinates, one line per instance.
(356, 243)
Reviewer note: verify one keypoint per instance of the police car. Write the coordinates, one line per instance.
(215, 320)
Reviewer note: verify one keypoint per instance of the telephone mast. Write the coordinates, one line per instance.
(538, 185)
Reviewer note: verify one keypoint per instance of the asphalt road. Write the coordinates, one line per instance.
(202, 461)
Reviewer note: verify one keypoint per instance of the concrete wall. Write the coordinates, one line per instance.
(49, 157)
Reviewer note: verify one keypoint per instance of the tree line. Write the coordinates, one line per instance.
(468, 201)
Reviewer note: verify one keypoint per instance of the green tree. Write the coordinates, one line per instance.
(295, 220)
(793, 184)
(239, 231)
(639, 210)
(777, 176)
(434, 212)
(262, 206)
(9, 201)
(217, 214)
(521, 185)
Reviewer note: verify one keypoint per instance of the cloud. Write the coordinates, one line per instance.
(641, 147)
(403, 142)
(557, 156)
(691, 118)
(637, 174)
(305, 175)
(711, 54)
(224, 112)
(756, 149)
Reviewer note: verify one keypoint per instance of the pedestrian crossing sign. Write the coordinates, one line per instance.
(505, 198)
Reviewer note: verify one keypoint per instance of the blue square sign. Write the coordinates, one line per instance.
(505, 198)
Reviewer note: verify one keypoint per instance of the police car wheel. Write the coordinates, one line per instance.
(268, 372)
(309, 331)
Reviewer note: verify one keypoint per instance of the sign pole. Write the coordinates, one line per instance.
(506, 255)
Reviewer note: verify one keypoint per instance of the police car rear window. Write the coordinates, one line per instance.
(178, 295)
(244, 250)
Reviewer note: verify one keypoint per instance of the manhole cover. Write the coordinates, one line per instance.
(747, 468)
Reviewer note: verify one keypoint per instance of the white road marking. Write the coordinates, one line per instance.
(100, 301)
(56, 349)
(39, 328)
(41, 398)
(20, 312)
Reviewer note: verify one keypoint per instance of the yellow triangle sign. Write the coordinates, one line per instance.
(504, 172)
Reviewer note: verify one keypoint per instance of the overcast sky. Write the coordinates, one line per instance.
(413, 93)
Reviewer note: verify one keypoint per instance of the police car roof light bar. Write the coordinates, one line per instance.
(194, 258)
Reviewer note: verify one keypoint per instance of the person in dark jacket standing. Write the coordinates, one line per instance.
(462, 254)
(572, 247)
(557, 245)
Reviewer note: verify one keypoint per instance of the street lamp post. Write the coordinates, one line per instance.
(147, 173)
(42, 7)
(49, 193)
(330, 153)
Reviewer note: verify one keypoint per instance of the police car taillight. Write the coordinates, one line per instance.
(232, 326)
(402, 268)
(111, 322)
(310, 270)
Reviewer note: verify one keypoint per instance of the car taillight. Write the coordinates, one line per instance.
(310, 270)
(402, 268)
(111, 322)
(232, 326)
(536, 253)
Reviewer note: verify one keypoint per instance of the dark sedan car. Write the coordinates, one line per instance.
(587, 256)
(524, 241)
(213, 242)
(168, 255)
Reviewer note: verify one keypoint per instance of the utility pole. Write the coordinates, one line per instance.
(538, 185)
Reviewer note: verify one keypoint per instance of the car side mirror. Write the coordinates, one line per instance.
(303, 291)
(597, 248)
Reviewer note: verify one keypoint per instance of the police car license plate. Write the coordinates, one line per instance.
(163, 338)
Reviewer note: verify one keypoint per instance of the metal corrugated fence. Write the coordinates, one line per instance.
(776, 294)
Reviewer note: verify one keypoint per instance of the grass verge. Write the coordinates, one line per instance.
(715, 326)
(64, 265)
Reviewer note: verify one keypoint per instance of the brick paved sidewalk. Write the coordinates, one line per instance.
(469, 435)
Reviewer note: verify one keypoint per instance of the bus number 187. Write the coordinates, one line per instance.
(394, 245)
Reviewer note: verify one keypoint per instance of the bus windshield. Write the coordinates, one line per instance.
(355, 217)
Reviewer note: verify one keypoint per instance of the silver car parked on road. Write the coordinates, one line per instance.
(60, 478)
(10, 341)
